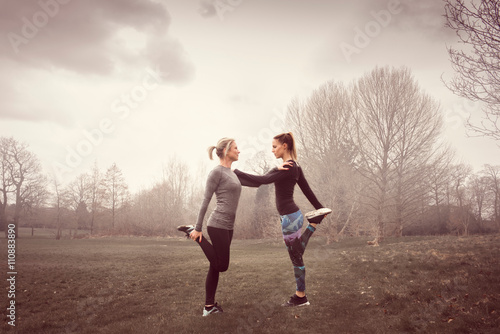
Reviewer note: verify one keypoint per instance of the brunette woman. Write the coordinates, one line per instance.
(291, 216)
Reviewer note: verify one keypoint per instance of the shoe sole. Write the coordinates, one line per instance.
(299, 305)
(180, 227)
(317, 213)
(206, 315)
(217, 309)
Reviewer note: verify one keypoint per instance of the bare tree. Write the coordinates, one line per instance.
(176, 177)
(477, 24)
(479, 189)
(77, 195)
(35, 195)
(145, 211)
(260, 220)
(493, 175)
(160, 209)
(6, 185)
(58, 205)
(23, 171)
(439, 176)
(416, 144)
(396, 130)
(375, 134)
(116, 191)
(460, 214)
(321, 126)
(96, 194)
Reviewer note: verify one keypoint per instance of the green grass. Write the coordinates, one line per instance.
(156, 285)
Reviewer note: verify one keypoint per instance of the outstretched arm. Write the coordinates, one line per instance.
(246, 179)
(250, 180)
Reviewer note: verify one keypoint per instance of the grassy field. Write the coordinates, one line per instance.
(149, 285)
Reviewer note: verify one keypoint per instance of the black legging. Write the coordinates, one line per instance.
(217, 253)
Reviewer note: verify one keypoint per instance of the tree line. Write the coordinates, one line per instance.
(372, 150)
(375, 150)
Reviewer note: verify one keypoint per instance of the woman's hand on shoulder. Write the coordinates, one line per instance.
(286, 165)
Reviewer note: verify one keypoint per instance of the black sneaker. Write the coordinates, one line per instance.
(186, 229)
(214, 309)
(317, 216)
(296, 301)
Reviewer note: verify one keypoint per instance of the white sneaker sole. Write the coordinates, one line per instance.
(317, 213)
(299, 305)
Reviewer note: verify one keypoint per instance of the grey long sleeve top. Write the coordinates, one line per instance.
(227, 188)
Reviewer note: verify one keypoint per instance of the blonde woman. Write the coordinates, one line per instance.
(291, 216)
(224, 183)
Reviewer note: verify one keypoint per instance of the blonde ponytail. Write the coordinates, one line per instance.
(222, 144)
(210, 152)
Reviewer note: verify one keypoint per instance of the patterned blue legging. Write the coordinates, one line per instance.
(291, 226)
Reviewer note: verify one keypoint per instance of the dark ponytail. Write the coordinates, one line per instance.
(287, 138)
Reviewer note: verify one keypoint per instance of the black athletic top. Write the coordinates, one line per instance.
(284, 181)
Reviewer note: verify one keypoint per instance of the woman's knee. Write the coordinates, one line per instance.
(222, 267)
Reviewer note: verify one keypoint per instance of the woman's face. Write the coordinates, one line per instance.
(279, 149)
(233, 152)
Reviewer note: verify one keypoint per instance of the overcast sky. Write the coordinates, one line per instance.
(140, 82)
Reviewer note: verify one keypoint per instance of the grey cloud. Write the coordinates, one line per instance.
(168, 55)
(82, 36)
(207, 8)
(424, 16)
